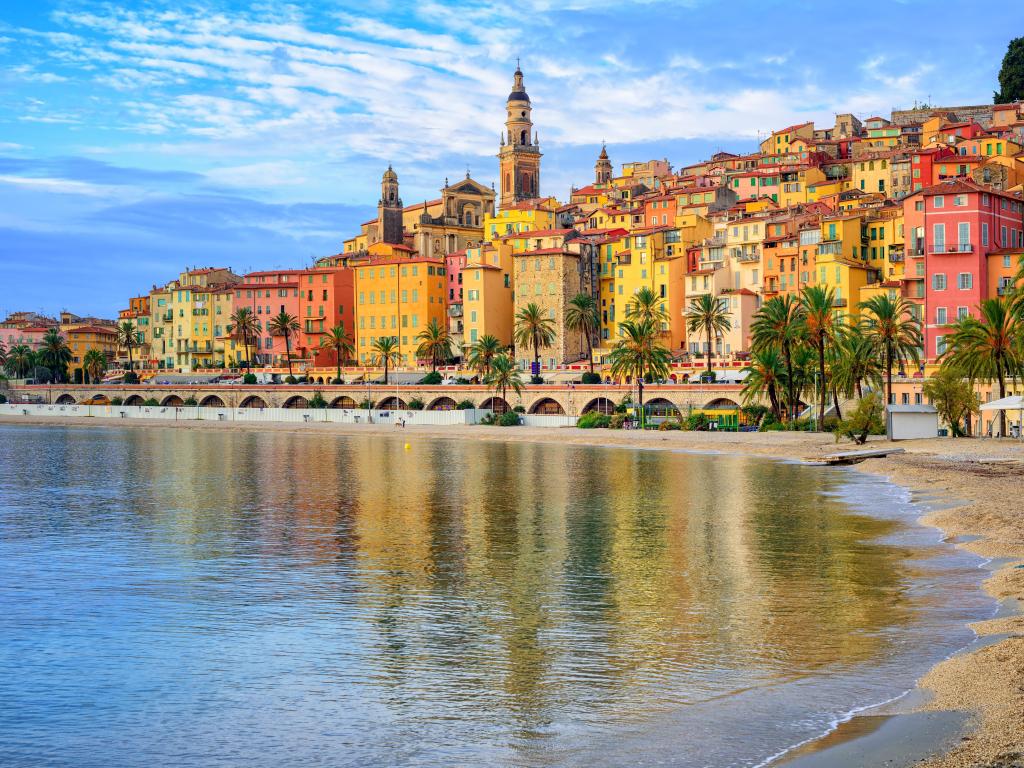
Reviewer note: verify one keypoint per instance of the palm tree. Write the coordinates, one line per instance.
(534, 329)
(822, 327)
(435, 343)
(3, 355)
(246, 327)
(482, 354)
(779, 324)
(337, 341)
(990, 347)
(645, 304)
(126, 337)
(94, 363)
(707, 314)
(283, 324)
(765, 372)
(639, 354)
(385, 351)
(856, 363)
(891, 327)
(20, 360)
(55, 354)
(582, 316)
(504, 375)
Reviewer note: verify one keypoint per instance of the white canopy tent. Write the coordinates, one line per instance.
(1012, 403)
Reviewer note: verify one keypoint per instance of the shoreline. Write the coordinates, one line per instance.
(981, 686)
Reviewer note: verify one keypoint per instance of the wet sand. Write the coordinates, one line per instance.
(980, 486)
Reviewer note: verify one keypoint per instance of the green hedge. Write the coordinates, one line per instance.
(594, 420)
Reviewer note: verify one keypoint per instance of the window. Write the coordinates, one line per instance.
(940, 345)
(938, 201)
(938, 282)
(960, 200)
(965, 281)
(963, 231)
(940, 315)
(984, 233)
(961, 313)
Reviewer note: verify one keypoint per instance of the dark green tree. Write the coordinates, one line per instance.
(1011, 74)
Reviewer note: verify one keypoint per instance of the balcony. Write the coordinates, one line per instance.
(167, 316)
(830, 248)
(748, 256)
(838, 302)
(916, 253)
(455, 310)
(952, 248)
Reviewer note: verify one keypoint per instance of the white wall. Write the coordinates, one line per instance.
(286, 415)
(912, 426)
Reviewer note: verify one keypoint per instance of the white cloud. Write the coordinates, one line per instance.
(58, 186)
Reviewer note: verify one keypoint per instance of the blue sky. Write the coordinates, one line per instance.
(137, 138)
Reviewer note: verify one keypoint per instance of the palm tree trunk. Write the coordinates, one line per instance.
(822, 388)
(709, 349)
(860, 390)
(640, 396)
(590, 352)
(130, 367)
(835, 402)
(338, 361)
(888, 373)
(288, 352)
(791, 405)
(1002, 394)
(385, 370)
(773, 398)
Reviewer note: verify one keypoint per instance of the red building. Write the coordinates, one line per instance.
(952, 227)
(923, 164)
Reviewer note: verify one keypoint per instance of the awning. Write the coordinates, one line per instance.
(1014, 403)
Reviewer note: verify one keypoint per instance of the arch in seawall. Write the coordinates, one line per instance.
(172, 401)
(599, 405)
(344, 402)
(212, 401)
(443, 403)
(296, 401)
(392, 403)
(253, 401)
(547, 406)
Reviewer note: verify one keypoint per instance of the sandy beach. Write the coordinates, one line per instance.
(978, 481)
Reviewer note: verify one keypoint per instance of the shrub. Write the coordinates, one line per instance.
(317, 401)
(290, 380)
(3, 399)
(536, 379)
(249, 378)
(695, 422)
(669, 424)
(415, 404)
(190, 402)
(708, 377)
(866, 419)
(336, 381)
(508, 419)
(773, 426)
(464, 405)
(463, 380)
(520, 409)
(489, 419)
(591, 378)
(431, 378)
(117, 401)
(756, 413)
(593, 420)
(829, 424)
(622, 406)
(131, 377)
(617, 420)
(151, 402)
(367, 403)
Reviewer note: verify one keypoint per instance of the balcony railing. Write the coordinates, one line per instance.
(455, 310)
(746, 256)
(952, 248)
(916, 253)
(838, 302)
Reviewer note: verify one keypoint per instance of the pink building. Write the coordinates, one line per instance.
(268, 294)
(952, 227)
(31, 336)
(453, 263)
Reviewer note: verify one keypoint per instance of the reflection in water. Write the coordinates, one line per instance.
(197, 598)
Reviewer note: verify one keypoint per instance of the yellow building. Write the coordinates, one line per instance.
(779, 142)
(649, 259)
(873, 173)
(521, 217)
(397, 297)
(487, 300)
(83, 338)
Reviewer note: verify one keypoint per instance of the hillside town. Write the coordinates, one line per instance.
(924, 205)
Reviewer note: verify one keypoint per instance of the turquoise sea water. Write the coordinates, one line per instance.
(208, 598)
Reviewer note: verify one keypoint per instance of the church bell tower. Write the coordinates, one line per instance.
(519, 156)
(389, 209)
